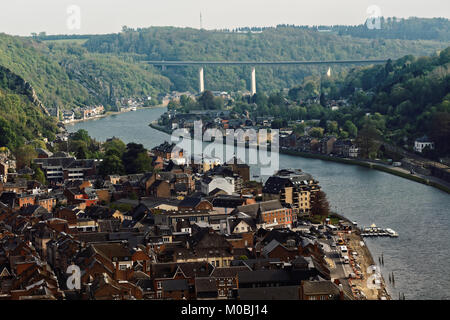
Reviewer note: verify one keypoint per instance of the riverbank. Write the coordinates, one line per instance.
(435, 184)
(111, 113)
(154, 125)
(362, 265)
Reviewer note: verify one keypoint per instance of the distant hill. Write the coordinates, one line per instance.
(412, 28)
(280, 43)
(69, 71)
(406, 29)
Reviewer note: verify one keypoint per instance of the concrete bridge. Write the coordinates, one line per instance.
(202, 64)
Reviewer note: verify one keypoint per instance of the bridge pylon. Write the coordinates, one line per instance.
(201, 80)
(253, 81)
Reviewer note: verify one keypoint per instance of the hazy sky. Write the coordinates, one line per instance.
(21, 17)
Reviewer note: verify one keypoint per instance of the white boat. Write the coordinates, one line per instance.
(391, 232)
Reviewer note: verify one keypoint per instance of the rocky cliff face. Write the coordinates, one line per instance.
(12, 81)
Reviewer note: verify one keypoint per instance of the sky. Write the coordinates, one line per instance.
(22, 17)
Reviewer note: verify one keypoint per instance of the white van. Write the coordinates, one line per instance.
(346, 259)
(344, 248)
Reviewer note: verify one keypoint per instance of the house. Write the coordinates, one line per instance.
(170, 218)
(422, 143)
(208, 246)
(269, 213)
(160, 189)
(353, 151)
(327, 145)
(103, 287)
(174, 289)
(161, 272)
(211, 183)
(241, 169)
(226, 279)
(118, 253)
(341, 147)
(274, 249)
(217, 257)
(226, 204)
(321, 290)
(167, 151)
(42, 153)
(240, 225)
(206, 288)
(291, 187)
(194, 203)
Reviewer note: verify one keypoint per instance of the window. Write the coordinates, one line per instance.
(159, 285)
(122, 267)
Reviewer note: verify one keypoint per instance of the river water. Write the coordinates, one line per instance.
(419, 257)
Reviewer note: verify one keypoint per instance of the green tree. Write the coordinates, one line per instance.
(440, 132)
(351, 129)
(316, 132)
(136, 159)
(39, 176)
(368, 140)
(206, 100)
(319, 204)
(114, 146)
(24, 156)
(111, 164)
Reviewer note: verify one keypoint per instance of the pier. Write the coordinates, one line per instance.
(374, 231)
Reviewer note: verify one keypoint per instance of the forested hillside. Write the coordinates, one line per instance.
(397, 102)
(66, 75)
(412, 95)
(22, 117)
(281, 43)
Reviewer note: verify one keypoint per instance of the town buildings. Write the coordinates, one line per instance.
(178, 232)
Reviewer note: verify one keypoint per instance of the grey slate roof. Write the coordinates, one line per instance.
(270, 293)
(175, 285)
(320, 287)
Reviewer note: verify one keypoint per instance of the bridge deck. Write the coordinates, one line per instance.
(254, 63)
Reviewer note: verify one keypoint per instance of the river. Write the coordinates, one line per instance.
(419, 257)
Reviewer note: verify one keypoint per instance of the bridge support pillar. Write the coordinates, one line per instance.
(253, 81)
(201, 80)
